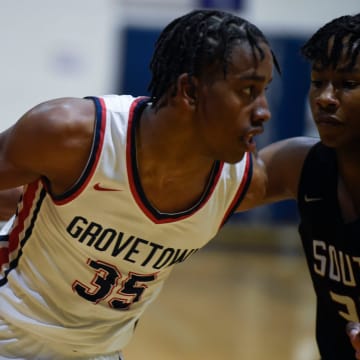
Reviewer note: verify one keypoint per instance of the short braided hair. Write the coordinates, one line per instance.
(196, 41)
(344, 32)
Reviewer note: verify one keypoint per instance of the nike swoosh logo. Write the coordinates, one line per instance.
(98, 187)
(311, 199)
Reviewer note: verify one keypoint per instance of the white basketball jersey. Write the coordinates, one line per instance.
(78, 270)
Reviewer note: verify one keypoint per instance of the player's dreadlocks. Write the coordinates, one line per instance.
(194, 42)
(347, 37)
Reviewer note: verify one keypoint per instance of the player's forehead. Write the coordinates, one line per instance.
(340, 54)
(247, 58)
(242, 58)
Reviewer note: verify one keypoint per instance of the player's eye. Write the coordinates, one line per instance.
(248, 90)
(350, 84)
(317, 84)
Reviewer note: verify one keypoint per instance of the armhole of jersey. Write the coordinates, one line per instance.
(242, 189)
(96, 148)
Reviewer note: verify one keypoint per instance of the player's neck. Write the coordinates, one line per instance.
(166, 140)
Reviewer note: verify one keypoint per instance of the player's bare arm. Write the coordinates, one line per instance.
(8, 202)
(276, 172)
(283, 161)
(52, 140)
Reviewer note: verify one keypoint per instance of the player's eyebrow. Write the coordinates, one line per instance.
(255, 77)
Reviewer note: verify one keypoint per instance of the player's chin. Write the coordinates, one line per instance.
(235, 158)
(331, 141)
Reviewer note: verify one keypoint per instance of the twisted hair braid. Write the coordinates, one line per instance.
(196, 41)
(344, 34)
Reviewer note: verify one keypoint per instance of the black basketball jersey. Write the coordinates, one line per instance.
(332, 250)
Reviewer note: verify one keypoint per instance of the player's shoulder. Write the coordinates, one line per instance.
(61, 110)
(301, 144)
(62, 121)
(292, 150)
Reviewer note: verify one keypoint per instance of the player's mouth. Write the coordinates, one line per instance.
(249, 139)
(327, 120)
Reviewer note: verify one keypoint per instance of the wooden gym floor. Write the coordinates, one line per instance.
(248, 299)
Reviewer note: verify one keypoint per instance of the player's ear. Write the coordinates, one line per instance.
(187, 88)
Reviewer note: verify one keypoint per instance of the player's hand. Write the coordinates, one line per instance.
(353, 331)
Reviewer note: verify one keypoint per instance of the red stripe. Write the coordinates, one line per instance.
(4, 256)
(240, 189)
(129, 146)
(134, 192)
(28, 200)
(97, 157)
(203, 203)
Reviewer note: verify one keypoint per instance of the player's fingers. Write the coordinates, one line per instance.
(353, 331)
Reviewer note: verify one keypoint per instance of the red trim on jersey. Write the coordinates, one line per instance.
(95, 162)
(27, 203)
(129, 147)
(4, 256)
(187, 214)
(240, 189)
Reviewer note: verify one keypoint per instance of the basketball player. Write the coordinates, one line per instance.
(117, 189)
(325, 178)
(322, 177)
